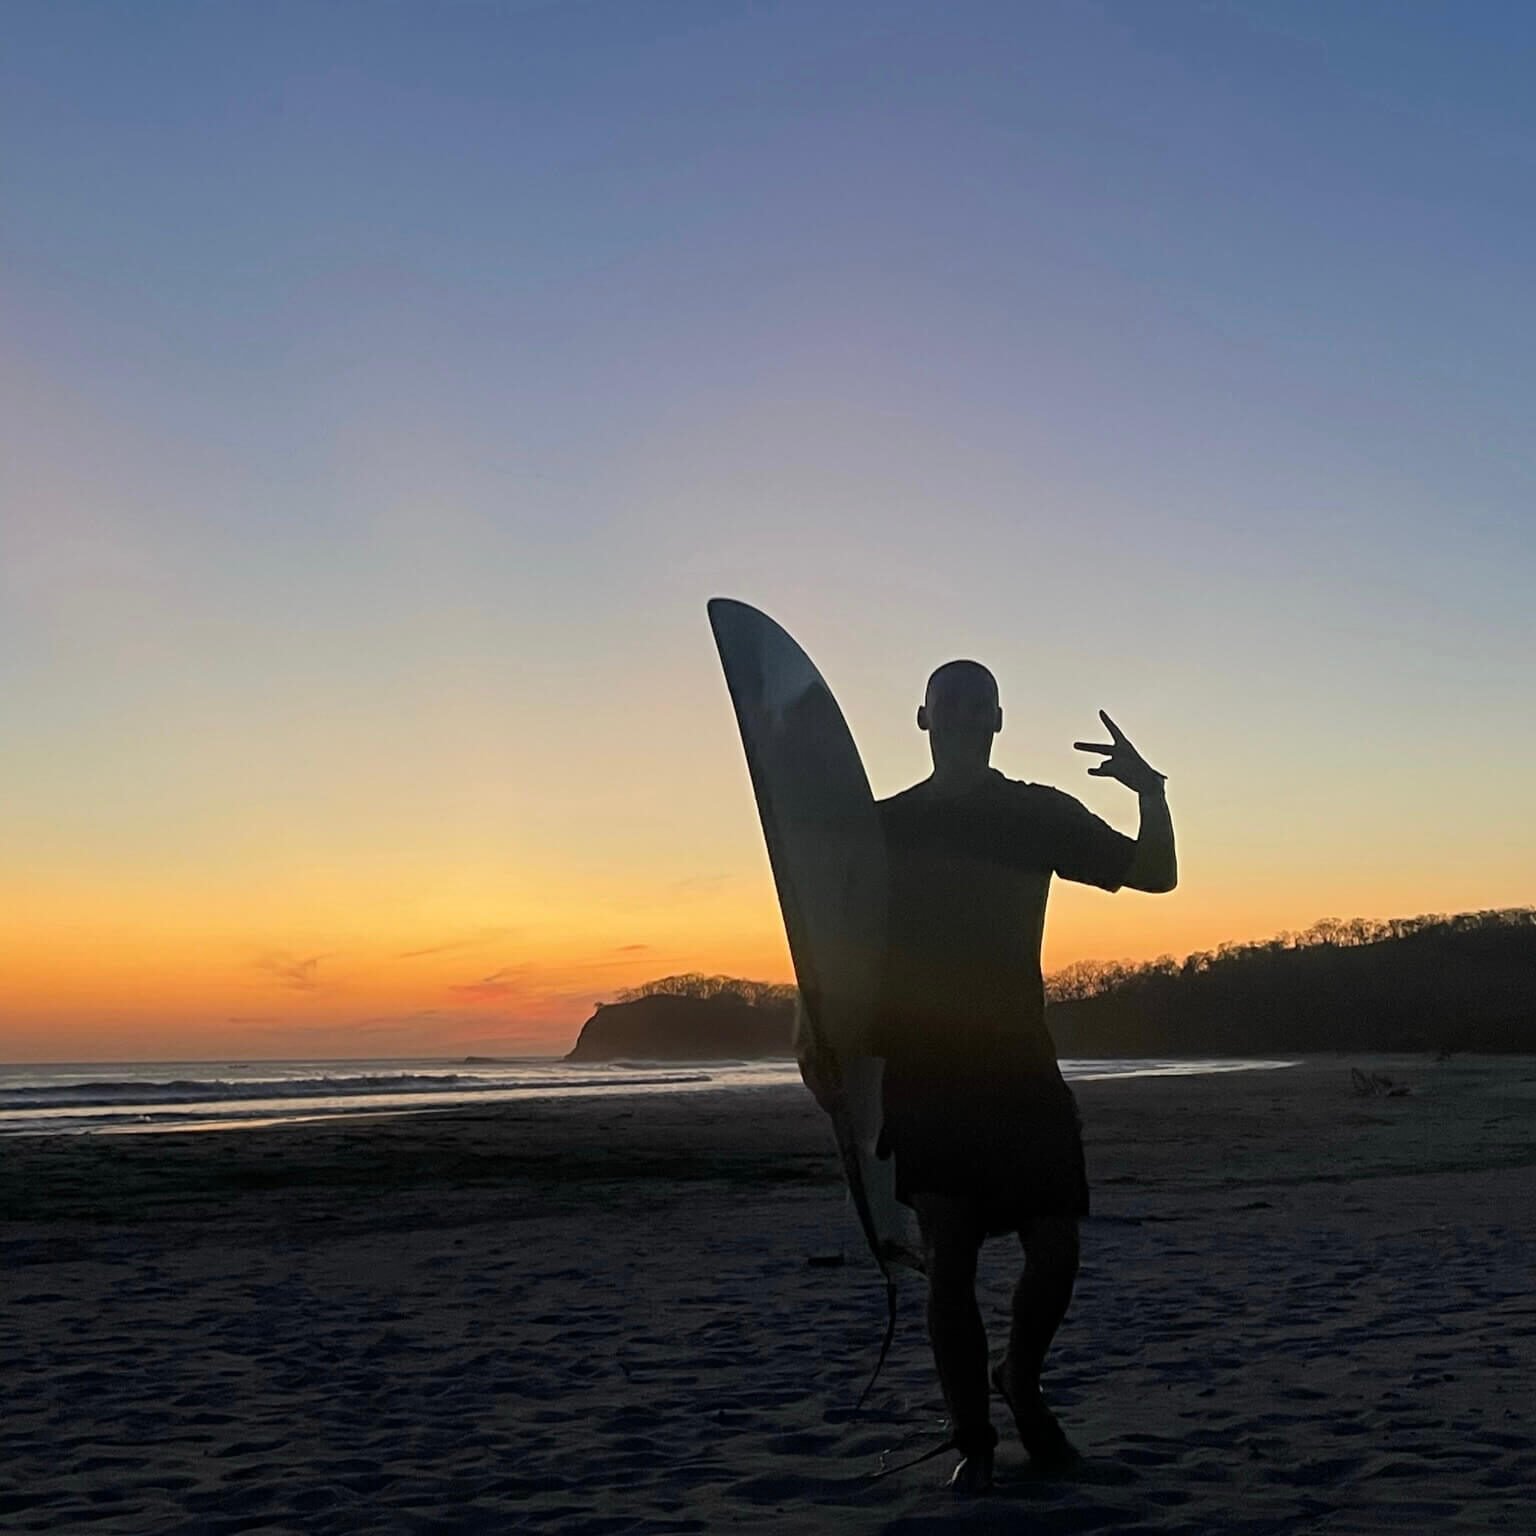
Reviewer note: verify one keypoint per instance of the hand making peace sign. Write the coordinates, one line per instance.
(1122, 761)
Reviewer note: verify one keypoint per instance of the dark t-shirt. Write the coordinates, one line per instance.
(969, 878)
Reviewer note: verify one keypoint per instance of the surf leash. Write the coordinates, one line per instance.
(885, 1346)
(916, 1461)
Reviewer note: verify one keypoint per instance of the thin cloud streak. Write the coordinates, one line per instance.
(485, 936)
(300, 975)
(500, 983)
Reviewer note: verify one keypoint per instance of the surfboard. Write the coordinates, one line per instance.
(828, 859)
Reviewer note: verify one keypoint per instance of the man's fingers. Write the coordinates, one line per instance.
(1091, 746)
(1101, 771)
(1113, 729)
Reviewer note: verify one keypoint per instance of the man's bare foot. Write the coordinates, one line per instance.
(973, 1474)
(1044, 1439)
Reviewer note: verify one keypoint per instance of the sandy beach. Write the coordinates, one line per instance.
(1299, 1311)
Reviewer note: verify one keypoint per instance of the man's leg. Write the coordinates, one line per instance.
(1043, 1294)
(1040, 1302)
(952, 1238)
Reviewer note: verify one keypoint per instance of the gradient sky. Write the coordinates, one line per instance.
(386, 387)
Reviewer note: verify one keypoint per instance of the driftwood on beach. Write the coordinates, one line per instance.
(1376, 1085)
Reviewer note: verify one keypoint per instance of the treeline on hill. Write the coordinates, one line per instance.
(772, 995)
(1465, 982)
(1433, 983)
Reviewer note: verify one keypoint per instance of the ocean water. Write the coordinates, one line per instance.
(121, 1097)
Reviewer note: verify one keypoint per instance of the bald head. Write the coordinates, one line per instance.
(960, 713)
(961, 683)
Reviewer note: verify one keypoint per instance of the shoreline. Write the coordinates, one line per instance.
(730, 1134)
(264, 1105)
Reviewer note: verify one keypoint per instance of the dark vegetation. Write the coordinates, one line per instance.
(756, 994)
(1460, 983)
(1434, 983)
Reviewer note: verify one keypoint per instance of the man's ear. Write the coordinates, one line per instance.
(999, 723)
(922, 717)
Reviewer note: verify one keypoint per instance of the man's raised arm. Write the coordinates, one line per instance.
(1154, 865)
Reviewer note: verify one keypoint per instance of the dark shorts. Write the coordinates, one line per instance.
(1009, 1143)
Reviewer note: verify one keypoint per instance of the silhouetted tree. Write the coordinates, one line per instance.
(756, 994)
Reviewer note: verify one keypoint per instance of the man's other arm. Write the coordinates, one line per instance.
(1155, 864)
(818, 1068)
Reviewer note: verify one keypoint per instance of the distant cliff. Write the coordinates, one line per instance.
(667, 1027)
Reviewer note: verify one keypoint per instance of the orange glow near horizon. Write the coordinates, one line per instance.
(98, 974)
(245, 891)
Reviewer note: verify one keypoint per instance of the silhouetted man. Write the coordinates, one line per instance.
(984, 1132)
